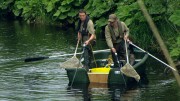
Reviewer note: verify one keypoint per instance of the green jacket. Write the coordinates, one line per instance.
(114, 35)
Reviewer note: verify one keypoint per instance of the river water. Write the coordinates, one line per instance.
(46, 81)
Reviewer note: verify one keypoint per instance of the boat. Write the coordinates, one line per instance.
(101, 73)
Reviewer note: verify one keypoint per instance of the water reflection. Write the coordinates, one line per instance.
(46, 81)
(105, 92)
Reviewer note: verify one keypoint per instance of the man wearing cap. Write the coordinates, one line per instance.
(86, 32)
(115, 33)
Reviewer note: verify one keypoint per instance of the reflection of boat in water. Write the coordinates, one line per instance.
(104, 92)
(130, 95)
(111, 75)
(98, 85)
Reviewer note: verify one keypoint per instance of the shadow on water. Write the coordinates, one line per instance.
(105, 92)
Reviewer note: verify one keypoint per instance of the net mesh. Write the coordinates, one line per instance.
(71, 63)
(128, 70)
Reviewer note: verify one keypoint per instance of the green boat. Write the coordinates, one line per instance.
(100, 73)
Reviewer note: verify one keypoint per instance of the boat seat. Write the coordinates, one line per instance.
(102, 55)
(100, 63)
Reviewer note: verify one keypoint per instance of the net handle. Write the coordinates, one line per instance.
(76, 48)
(127, 58)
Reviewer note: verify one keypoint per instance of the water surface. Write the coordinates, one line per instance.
(46, 81)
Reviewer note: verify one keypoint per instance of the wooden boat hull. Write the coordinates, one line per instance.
(98, 77)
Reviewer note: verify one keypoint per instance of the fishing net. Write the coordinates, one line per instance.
(71, 63)
(128, 70)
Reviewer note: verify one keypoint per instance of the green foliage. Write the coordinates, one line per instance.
(101, 22)
(175, 49)
(129, 13)
(172, 5)
(43, 11)
(156, 6)
(61, 10)
(98, 9)
(4, 4)
(66, 10)
(165, 14)
(31, 10)
(175, 17)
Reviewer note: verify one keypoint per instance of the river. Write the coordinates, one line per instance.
(46, 81)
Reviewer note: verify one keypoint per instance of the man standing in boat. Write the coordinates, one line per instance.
(115, 33)
(86, 33)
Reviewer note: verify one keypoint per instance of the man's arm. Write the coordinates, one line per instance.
(90, 28)
(109, 39)
(126, 31)
(79, 36)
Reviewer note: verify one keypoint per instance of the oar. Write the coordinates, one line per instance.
(47, 57)
(152, 56)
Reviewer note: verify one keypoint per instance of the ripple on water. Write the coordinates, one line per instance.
(46, 81)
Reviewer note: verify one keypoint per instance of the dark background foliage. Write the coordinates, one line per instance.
(165, 13)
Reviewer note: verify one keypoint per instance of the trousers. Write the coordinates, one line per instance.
(87, 54)
(121, 53)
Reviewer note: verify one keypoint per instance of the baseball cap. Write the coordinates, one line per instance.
(112, 18)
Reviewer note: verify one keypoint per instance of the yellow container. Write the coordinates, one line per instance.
(100, 70)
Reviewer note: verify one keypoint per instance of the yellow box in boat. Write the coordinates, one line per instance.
(100, 70)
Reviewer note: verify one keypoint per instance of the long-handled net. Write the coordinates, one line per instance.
(72, 62)
(128, 70)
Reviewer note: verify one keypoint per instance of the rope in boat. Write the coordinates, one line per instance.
(93, 56)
